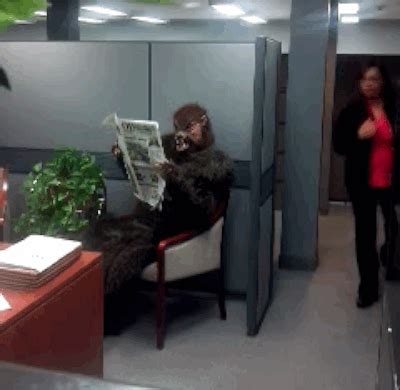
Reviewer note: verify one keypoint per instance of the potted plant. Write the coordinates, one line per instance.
(63, 196)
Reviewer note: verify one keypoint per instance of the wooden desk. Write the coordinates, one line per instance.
(59, 325)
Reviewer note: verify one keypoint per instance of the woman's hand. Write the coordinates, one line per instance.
(367, 130)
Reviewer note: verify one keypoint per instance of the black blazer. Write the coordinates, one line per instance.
(356, 151)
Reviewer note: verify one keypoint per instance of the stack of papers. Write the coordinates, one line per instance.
(4, 305)
(36, 260)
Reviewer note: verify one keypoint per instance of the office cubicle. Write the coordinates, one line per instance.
(62, 91)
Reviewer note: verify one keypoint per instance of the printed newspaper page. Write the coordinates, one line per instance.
(141, 147)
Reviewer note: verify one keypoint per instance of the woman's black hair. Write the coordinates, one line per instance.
(388, 90)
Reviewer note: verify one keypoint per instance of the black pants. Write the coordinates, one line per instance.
(365, 212)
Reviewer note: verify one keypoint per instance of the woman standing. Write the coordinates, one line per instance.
(365, 134)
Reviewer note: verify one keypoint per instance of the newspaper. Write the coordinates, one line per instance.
(141, 148)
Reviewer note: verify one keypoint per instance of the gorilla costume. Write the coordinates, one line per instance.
(198, 178)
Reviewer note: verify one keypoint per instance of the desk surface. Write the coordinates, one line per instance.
(23, 301)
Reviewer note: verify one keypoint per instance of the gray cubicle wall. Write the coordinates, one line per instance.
(60, 94)
(262, 166)
(269, 145)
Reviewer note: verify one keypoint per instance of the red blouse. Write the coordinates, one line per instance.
(382, 155)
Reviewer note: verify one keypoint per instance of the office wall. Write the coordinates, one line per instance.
(35, 32)
(195, 30)
(63, 103)
(367, 37)
(372, 37)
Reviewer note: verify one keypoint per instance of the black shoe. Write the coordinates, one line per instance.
(364, 302)
(392, 274)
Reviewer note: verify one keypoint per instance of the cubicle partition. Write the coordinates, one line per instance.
(262, 167)
(62, 91)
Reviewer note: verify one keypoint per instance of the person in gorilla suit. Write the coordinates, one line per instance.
(197, 178)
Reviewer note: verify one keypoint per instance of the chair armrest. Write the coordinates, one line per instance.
(175, 240)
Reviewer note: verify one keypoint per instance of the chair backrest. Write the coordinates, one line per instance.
(195, 256)
(202, 253)
(199, 255)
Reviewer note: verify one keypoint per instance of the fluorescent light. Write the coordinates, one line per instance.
(41, 13)
(23, 22)
(148, 19)
(348, 8)
(253, 19)
(192, 4)
(104, 11)
(349, 19)
(229, 9)
(90, 20)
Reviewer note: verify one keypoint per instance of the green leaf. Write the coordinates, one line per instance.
(37, 167)
(62, 196)
(54, 182)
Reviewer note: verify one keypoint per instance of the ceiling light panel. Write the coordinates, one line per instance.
(231, 10)
(349, 19)
(104, 11)
(348, 8)
(148, 19)
(192, 4)
(253, 19)
(91, 20)
(23, 22)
